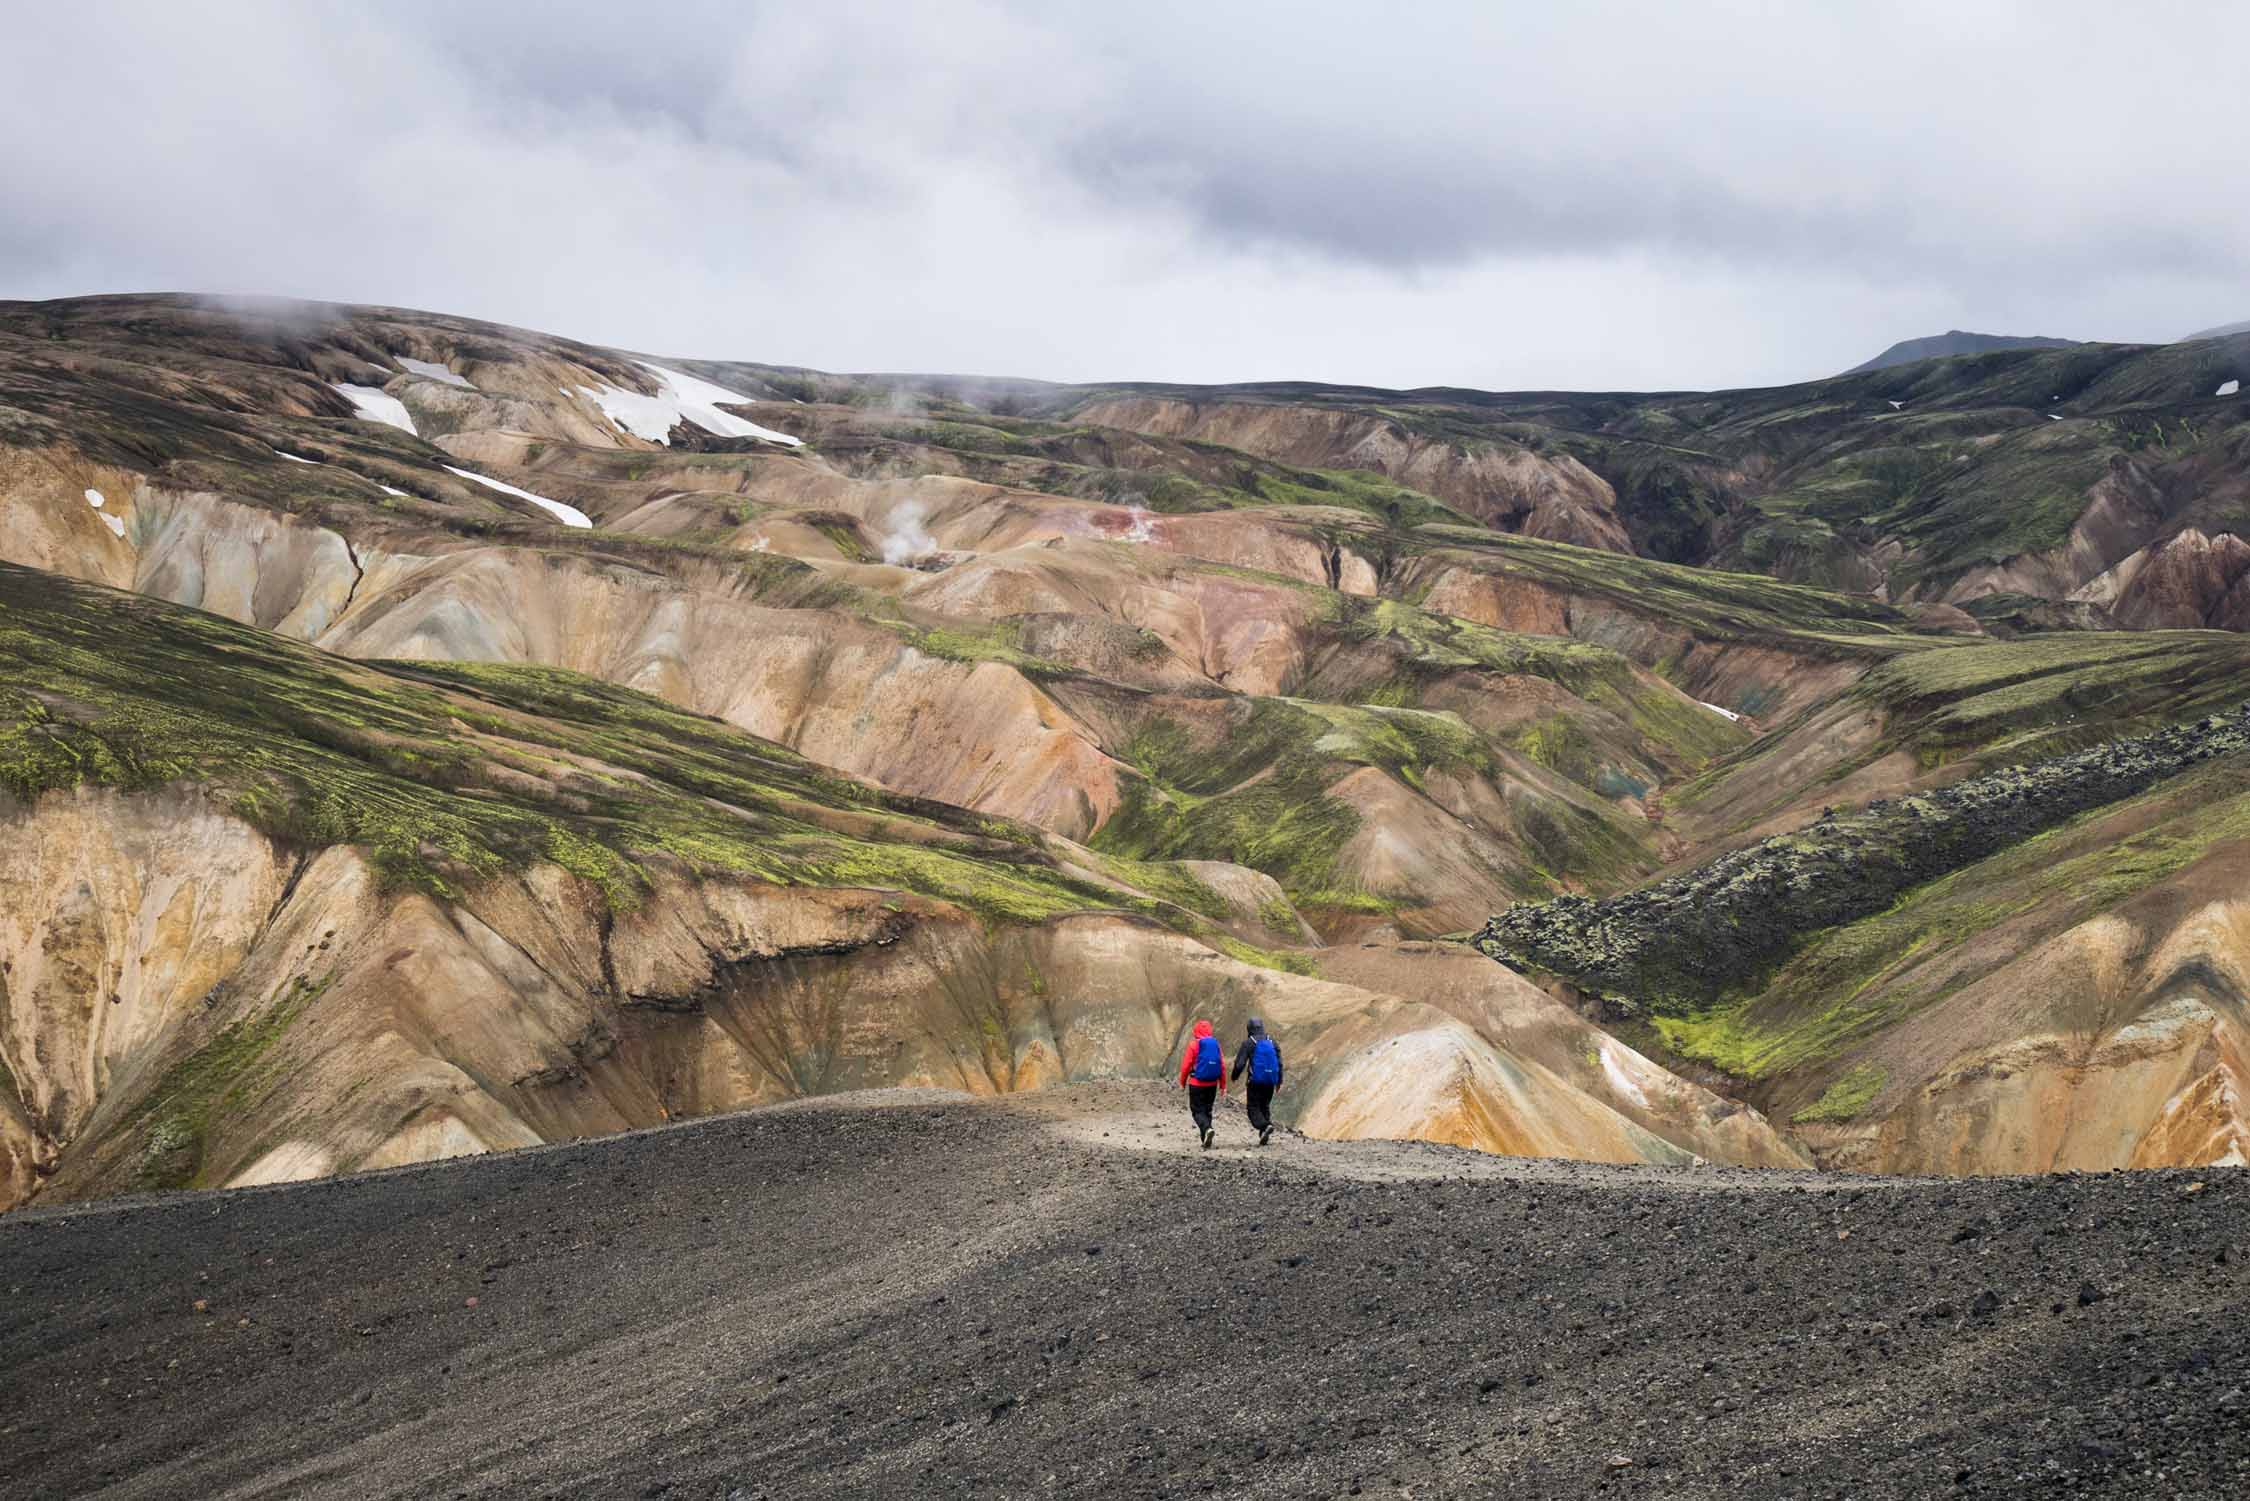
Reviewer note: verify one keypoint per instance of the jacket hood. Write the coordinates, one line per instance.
(1257, 1027)
(1203, 1029)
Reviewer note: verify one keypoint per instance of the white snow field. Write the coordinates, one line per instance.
(116, 524)
(434, 372)
(378, 406)
(2227, 388)
(1725, 713)
(567, 515)
(680, 396)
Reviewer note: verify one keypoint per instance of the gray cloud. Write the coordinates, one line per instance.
(1592, 195)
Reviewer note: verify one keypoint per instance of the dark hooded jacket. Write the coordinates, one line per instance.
(1249, 1045)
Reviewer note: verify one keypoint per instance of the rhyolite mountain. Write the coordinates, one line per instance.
(420, 736)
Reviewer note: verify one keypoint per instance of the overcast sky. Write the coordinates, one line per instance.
(1550, 195)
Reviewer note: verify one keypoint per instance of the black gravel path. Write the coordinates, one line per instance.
(1058, 1296)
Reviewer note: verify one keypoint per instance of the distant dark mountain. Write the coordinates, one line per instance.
(1954, 341)
(2218, 333)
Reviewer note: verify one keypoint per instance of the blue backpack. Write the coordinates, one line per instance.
(1265, 1062)
(1208, 1065)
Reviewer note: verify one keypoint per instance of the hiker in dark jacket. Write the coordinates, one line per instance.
(1260, 1056)
(1203, 1074)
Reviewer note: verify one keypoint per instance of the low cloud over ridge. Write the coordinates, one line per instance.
(1617, 196)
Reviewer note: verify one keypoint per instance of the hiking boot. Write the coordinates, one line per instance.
(1265, 1136)
(1208, 1135)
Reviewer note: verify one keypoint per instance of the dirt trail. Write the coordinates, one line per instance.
(923, 1296)
(1130, 1118)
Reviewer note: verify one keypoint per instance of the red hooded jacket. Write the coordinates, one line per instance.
(1187, 1059)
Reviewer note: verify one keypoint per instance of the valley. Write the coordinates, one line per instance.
(421, 737)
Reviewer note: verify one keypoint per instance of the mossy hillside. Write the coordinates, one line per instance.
(1169, 882)
(2053, 692)
(1850, 985)
(1706, 603)
(448, 774)
(1664, 733)
(2010, 615)
(1255, 793)
(166, 427)
(1395, 504)
(1959, 504)
(1257, 797)
(1441, 643)
(1988, 703)
(1288, 961)
(1797, 926)
(1254, 484)
(980, 641)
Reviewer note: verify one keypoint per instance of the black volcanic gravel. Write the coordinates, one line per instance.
(957, 1299)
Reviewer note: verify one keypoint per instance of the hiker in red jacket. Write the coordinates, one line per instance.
(1203, 1074)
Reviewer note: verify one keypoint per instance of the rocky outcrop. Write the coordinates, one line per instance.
(1685, 941)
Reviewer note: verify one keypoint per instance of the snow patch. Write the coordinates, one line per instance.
(2051, 417)
(376, 406)
(908, 539)
(1722, 713)
(1896, 405)
(679, 396)
(434, 372)
(116, 524)
(292, 458)
(2227, 388)
(387, 490)
(567, 515)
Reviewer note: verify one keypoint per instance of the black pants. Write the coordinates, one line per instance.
(1261, 1106)
(1200, 1100)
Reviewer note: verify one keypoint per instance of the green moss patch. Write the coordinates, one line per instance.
(447, 774)
(1844, 1099)
(214, 1081)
